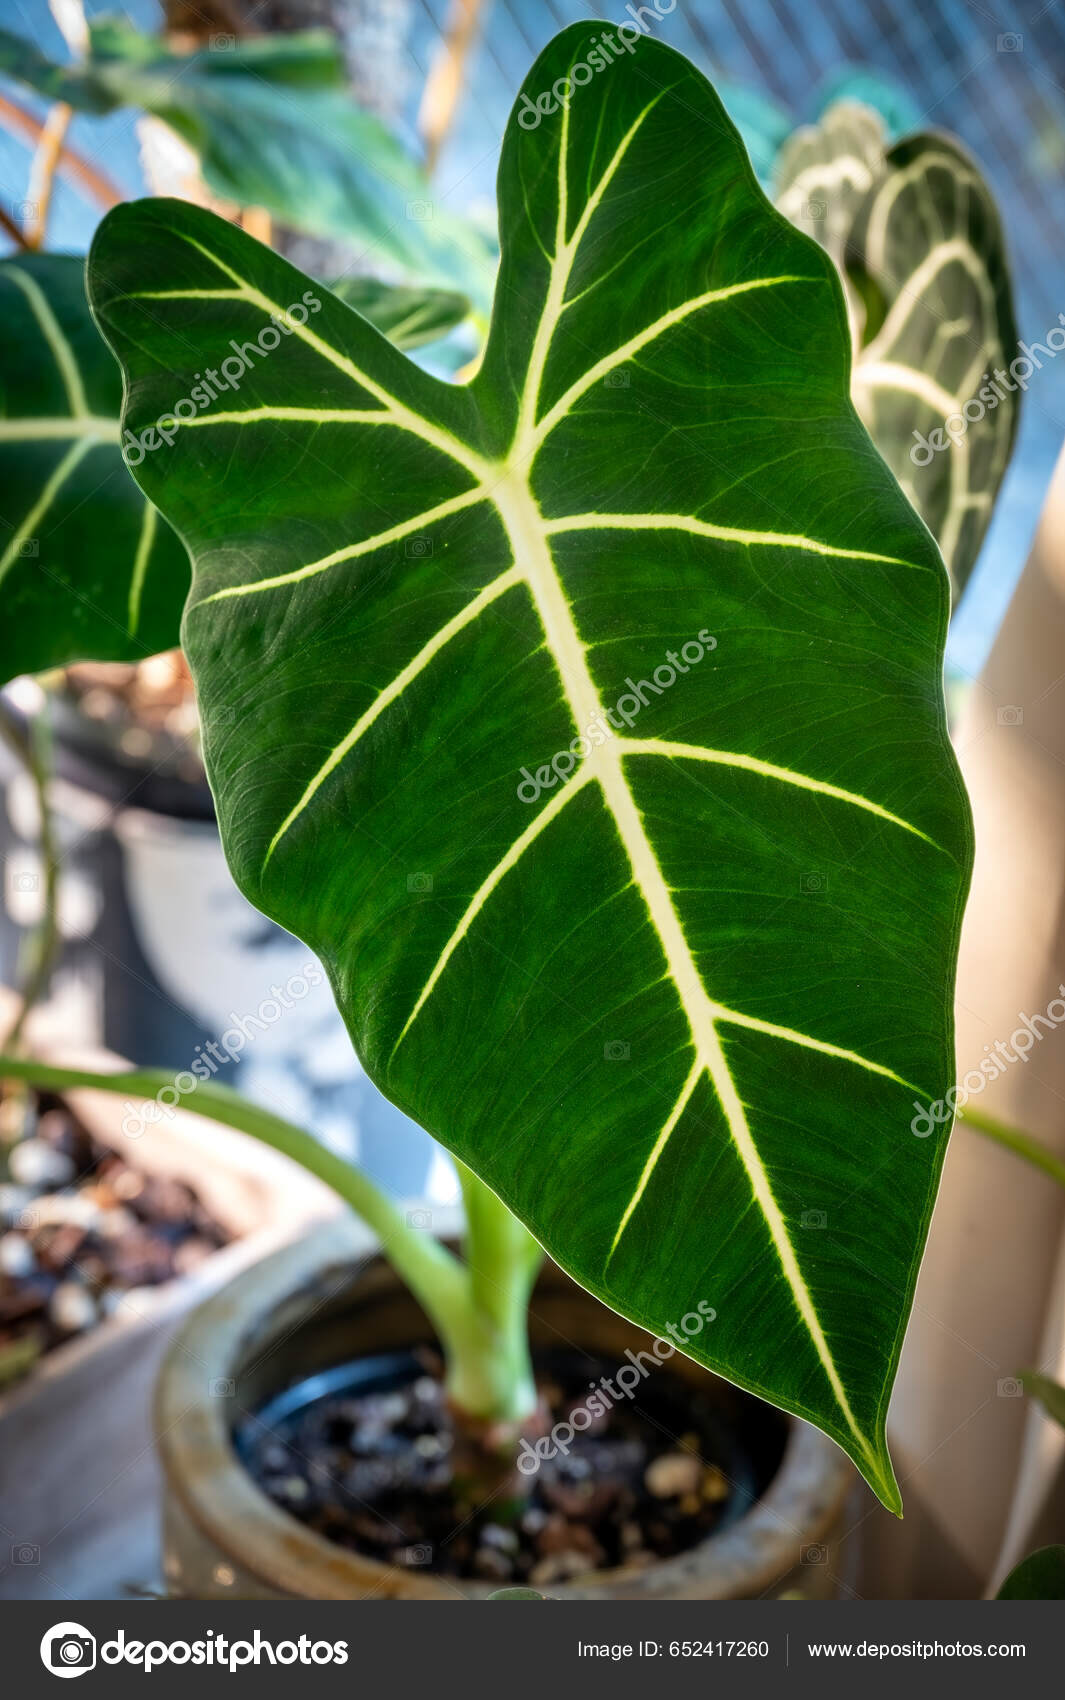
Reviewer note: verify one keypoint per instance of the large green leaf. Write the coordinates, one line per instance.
(927, 255)
(676, 1009)
(88, 569)
(274, 127)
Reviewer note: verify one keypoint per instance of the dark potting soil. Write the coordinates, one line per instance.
(363, 1455)
(81, 1226)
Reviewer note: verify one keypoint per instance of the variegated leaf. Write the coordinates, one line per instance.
(672, 993)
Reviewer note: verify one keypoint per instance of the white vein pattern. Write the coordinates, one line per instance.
(505, 484)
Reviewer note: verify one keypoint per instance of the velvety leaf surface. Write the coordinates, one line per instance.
(673, 994)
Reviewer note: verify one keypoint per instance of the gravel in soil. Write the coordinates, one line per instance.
(372, 1471)
(80, 1227)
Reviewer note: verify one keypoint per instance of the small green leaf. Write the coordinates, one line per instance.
(1050, 1395)
(1040, 1576)
(408, 317)
(77, 85)
(876, 90)
(917, 239)
(927, 255)
(825, 171)
(657, 991)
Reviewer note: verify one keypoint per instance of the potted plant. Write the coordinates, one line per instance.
(650, 989)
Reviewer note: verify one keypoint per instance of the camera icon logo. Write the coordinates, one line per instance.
(616, 1050)
(618, 379)
(68, 1649)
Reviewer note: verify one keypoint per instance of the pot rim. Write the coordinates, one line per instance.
(225, 1504)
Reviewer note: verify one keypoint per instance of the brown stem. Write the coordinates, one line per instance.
(70, 165)
(43, 170)
(8, 225)
(447, 74)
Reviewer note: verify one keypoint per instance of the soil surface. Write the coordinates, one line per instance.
(80, 1227)
(370, 1467)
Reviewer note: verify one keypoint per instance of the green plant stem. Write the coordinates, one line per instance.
(502, 1259)
(480, 1323)
(35, 755)
(1021, 1144)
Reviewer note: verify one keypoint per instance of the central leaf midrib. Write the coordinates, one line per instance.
(528, 538)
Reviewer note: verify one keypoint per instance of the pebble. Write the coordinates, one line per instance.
(492, 1565)
(71, 1208)
(114, 1222)
(71, 1308)
(715, 1486)
(16, 1257)
(672, 1475)
(558, 1567)
(34, 1163)
(504, 1540)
